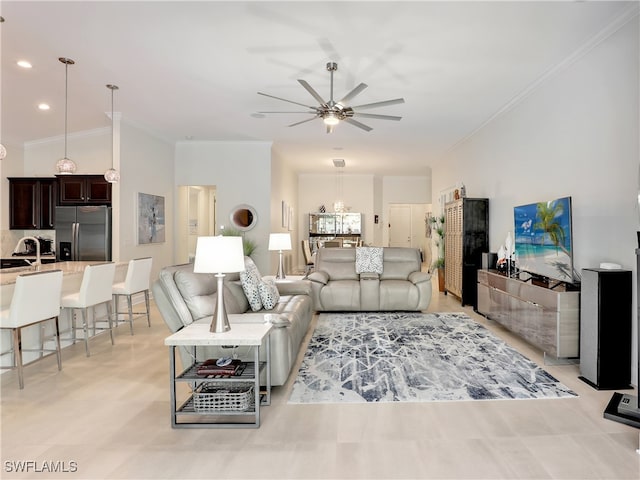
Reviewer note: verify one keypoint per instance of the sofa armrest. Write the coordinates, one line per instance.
(319, 277)
(419, 277)
(294, 287)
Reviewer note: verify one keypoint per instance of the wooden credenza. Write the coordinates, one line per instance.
(547, 318)
(466, 237)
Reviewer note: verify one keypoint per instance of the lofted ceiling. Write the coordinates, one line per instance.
(190, 71)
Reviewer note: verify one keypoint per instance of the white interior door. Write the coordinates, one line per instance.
(400, 226)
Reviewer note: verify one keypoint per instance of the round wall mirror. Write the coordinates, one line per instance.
(244, 217)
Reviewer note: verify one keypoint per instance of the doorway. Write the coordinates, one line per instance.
(408, 227)
(196, 218)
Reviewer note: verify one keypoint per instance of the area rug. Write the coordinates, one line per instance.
(414, 357)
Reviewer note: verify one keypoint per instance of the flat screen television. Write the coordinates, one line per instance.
(544, 239)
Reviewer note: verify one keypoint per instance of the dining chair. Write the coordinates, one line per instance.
(136, 281)
(308, 257)
(95, 289)
(36, 299)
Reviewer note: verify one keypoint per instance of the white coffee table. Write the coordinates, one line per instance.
(198, 335)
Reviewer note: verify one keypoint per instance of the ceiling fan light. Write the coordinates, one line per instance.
(331, 119)
(112, 175)
(66, 166)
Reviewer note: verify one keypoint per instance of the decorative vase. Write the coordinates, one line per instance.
(441, 279)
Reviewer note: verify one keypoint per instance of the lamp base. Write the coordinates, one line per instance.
(280, 275)
(220, 321)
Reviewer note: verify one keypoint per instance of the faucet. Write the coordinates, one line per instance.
(37, 263)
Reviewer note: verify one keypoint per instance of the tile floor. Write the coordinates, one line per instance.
(109, 415)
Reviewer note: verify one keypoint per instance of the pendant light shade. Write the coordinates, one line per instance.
(112, 175)
(65, 166)
(3, 151)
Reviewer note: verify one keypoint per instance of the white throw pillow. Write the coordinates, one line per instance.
(269, 294)
(251, 280)
(369, 260)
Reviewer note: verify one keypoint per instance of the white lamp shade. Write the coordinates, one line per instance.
(219, 255)
(279, 241)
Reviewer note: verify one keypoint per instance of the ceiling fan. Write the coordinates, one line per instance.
(332, 112)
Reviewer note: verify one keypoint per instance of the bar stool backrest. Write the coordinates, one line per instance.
(36, 297)
(138, 274)
(97, 282)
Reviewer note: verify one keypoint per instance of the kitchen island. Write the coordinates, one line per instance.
(71, 280)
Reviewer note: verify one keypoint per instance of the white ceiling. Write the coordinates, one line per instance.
(193, 69)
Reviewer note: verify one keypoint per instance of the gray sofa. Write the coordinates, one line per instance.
(184, 297)
(401, 286)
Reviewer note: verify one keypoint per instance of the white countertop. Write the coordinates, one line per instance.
(8, 275)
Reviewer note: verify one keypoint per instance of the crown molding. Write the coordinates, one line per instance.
(96, 132)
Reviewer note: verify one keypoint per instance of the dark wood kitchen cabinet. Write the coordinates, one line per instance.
(32, 203)
(83, 190)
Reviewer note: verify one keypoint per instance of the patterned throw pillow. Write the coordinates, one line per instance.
(369, 260)
(269, 294)
(251, 280)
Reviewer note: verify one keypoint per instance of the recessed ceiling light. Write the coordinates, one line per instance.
(24, 64)
(43, 106)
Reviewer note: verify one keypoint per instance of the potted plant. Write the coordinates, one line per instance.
(437, 225)
(248, 245)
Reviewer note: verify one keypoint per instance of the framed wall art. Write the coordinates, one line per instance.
(151, 220)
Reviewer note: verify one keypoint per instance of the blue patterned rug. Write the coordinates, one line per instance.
(414, 357)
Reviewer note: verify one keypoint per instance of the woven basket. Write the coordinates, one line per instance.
(215, 397)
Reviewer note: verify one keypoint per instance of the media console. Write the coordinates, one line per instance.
(548, 318)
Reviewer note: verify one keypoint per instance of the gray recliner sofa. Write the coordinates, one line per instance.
(401, 286)
(184, 297)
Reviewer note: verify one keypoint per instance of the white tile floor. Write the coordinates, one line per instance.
(109, 413)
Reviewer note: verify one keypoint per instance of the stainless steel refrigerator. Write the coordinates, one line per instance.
(83, 233)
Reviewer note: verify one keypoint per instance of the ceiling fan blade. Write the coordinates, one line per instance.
(313, 93)
(303, 121)
(353, 93)
(379, 117)
(312, 113)
(285, 100)
(358, 124)
(395, 101)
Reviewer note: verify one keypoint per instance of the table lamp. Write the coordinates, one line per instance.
(219, 255)
(280, 242)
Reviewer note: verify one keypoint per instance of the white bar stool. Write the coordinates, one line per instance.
(136, 281)
(95, 289)
(36, 299)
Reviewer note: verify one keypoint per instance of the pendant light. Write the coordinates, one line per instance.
(65, 166)
(112, 175)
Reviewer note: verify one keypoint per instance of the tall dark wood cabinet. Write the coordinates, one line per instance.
(605, 328)
(32, 203)
(466, 237)
(83, 190)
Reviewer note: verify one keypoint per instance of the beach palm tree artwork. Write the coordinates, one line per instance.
(543, 239)
(547, 216)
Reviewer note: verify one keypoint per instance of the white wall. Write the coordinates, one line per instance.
(146, 166)
(241, 173)
(90, 150)
(575, 135)
(284, 187)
